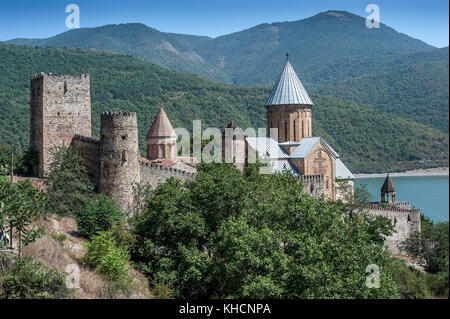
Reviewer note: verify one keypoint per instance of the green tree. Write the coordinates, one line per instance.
(232, 235)
(68, 183)
(30, 279)
(430, 245)
(21, 205)
(97, 214)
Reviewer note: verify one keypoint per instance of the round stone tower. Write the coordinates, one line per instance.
(119, 157)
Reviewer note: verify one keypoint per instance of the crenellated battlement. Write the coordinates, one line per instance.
(156, 166)
(117, 114)
(390, 208)
(59, 77)
(86, 139)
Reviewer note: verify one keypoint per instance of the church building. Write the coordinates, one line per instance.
(289, 112)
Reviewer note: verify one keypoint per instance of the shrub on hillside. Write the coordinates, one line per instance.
(98, 214)
(30, 279)
(68, 183)
(105, 256)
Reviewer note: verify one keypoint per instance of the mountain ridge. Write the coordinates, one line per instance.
(367, 140)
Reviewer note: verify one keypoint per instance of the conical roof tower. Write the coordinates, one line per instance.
(288, 90)
(161, 138)
(389, 190)
(289, 107)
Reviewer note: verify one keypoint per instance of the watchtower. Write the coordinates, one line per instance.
(119, 157)
(60, 107)
(389, 190)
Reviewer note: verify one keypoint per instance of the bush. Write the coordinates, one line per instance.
(162, 290)
(411, 283)
(98, 214)
(111, 261)
(30, 279)
(430, 245)
(68, 183)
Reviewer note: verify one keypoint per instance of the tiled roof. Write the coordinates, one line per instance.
(307, 144)
(342, 172)
(161, 126)
(288, 89)
(388, 186)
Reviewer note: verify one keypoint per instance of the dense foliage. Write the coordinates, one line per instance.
(430, 245)
(233, 235)
(20, 206)
(26, 278)
(415, 88)
(68, 183)
(415, 284)
(105, 254)
(366, 139)
(24, 162)
(98, 214)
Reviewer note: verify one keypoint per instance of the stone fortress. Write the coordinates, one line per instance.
(60, 115)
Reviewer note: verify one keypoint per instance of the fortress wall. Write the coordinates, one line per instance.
(312, 184)
(405, 222)
(155, 174)
(89, 149)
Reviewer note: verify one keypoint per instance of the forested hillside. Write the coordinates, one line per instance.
(414, 88)
(326, 47)
(366, 139)
(170, 50)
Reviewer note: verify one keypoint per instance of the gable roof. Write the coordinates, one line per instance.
(388, 186)
(264, 145)
(342, 172)
(307, 144)
(288, 89)
(161, 126)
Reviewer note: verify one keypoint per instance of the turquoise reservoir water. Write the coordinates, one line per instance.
(429, 193)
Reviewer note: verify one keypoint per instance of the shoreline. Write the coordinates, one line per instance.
(438, 171)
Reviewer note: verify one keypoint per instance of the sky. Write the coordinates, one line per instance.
(427, 20)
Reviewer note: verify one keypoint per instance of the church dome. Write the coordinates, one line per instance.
(288, 89)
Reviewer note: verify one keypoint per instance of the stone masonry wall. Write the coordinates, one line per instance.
(89, 149)
(60, 107)
(312, 184)
(154, 174)
(405, 221)
(119, 157)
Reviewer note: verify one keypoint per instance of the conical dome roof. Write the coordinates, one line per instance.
(161, 126)
(388, 187)
(288, 89)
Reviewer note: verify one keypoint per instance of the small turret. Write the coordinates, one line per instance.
(389, 190)
(161, 138)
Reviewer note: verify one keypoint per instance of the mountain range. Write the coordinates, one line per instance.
(381, 97)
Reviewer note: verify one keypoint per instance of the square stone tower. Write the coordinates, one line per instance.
(60, 107)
